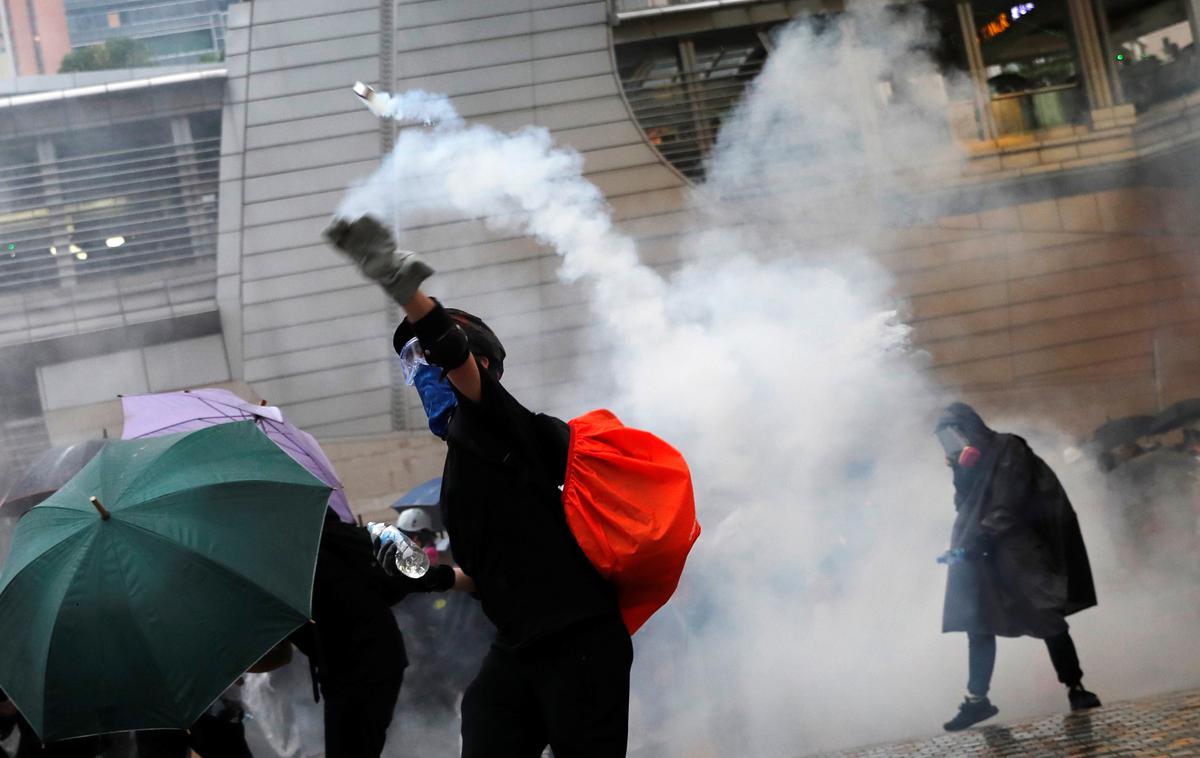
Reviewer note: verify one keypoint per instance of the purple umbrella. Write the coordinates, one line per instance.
(189, 410)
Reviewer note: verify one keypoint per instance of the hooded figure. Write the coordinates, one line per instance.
(1031, 567)
(1018, 564)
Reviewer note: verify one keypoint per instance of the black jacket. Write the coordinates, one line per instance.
(1027, 566)
(355, 638)
(503, 509)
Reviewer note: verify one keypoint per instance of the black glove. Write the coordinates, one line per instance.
(438, 578)
(385, 555)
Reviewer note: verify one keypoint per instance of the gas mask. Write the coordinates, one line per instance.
(957, 447)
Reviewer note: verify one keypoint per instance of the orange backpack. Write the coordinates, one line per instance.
(628, 499)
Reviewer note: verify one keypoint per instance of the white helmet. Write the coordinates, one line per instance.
(414, 520)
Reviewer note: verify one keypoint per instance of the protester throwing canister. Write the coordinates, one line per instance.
(1017, 563)
(558, 670)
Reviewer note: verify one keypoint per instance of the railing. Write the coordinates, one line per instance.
(1037, 110)
(624, 8)
(103, 214)
(681, 112)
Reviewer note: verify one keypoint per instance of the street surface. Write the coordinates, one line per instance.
(1168, 725)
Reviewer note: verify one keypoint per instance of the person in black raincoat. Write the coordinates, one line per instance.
(354, 644)
(1017, 563)
(557, 672)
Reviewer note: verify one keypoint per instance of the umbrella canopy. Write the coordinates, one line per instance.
(1122, 431)
(46, 475)
(1176, 415)
(426, 493)
(172, 412)
(426, 496)
(139, 591)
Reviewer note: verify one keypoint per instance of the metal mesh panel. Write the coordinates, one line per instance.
(108, 201)
(681, 90)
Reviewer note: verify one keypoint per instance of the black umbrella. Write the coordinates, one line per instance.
(1118, 432)
(49, 472)
(1175, 416)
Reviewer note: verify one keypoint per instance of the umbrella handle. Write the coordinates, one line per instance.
(104, 514)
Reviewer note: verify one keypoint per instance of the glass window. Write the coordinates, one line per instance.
(182, 44)
(1151, 48)
(1030, 64)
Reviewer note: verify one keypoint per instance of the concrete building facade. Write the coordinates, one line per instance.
(295, 138)
(108, 205)
(1063, 281)
(310, 330)
(174, 31)
(34, 37)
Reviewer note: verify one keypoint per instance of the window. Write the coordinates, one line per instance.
(1030, 64)
(182, 44)
(681, 89)
(1151, 49)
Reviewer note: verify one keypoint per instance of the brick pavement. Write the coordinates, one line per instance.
(1167, 725)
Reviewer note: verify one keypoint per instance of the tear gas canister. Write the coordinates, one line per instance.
(411, 560)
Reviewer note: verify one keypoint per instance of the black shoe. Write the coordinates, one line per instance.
(1081, 699)
(971, 712)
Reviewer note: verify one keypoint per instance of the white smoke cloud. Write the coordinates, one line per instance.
(810, 612)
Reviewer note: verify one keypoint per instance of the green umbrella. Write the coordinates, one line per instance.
(154, 578)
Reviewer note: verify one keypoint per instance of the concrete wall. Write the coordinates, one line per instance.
(301, 326)
(1073, 309)
(1078, 305)
(510, 63)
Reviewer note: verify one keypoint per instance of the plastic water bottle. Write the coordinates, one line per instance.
(411, 560)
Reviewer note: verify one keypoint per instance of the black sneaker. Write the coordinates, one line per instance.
(971, 712)
(1081, 699)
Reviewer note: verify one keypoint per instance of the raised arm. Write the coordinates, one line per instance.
(465, 376)
(400, 273)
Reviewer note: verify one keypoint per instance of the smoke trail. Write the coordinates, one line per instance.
(414, 106)
(809, 615)
(517, 181)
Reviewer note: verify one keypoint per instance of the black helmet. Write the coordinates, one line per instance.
(480, 338)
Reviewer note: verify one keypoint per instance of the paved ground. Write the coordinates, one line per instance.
(1168, 725)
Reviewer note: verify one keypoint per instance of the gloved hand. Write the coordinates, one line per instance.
(437, 579)
(369, 244)
(385, 555)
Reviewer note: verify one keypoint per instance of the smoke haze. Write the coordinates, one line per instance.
(809, 615)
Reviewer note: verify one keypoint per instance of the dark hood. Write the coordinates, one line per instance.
(969, 422)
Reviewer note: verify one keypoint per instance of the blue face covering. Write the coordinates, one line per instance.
(437, 397)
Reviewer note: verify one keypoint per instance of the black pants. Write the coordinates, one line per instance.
(210, 737)
(357, 718)
(570, 691)
(982, 660)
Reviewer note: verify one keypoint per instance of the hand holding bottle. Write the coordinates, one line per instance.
(396, 552)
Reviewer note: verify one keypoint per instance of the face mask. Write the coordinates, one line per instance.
(437, 397)
(957, 447)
